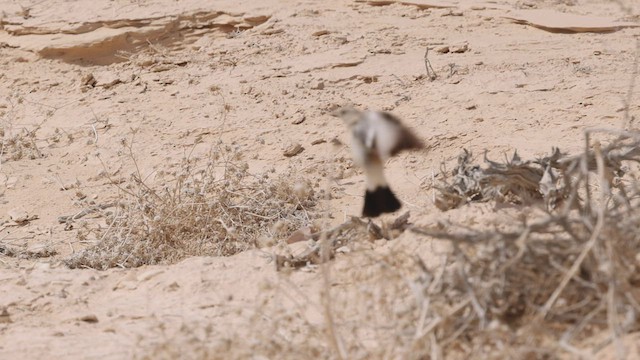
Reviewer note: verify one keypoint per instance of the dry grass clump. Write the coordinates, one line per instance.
(20, 145)
(218, 210)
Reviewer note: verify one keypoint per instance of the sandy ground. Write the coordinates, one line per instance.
(261, 76)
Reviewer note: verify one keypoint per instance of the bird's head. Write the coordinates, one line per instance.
(349, 114)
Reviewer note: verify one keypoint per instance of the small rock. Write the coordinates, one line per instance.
(298, 118)
(442, 50)
(174, 286)
(477, 7)
(293, 150)
(341, 39)
(272, 31)
(317, 85)
(161, 68)
(460, 49)
(18, 215)
(11, 182)
(471, 107)
(453, 13)
(597, 52)
(318, 141)
(321, 32)
(181, 62)
(112, 83)
(108, 79)
(91, 319)
(70, 185)
(4, 317)
(88, 80)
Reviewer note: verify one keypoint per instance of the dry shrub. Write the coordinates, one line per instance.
(514, 181)
(560, 278)
(218, 210)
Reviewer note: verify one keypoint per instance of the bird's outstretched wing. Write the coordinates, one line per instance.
(405, 138)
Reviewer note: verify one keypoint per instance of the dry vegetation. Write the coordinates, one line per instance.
(214, 207)
(563, 277)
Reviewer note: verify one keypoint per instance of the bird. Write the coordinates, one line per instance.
(376, 136)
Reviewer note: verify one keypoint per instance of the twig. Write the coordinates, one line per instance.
(427, 64)
(325, 251)
(95, 133)
(613, 321)
(628, 120)
(569, 334)
(436, 351)
(475, 304)
(461, 305)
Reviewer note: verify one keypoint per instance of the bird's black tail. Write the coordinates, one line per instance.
(379, 201)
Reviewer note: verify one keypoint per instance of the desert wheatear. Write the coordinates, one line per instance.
(377, 136)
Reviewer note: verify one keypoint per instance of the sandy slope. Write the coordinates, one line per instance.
(194, 72)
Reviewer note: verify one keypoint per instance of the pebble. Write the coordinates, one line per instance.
(317, 85)
(18, 215)
(91, 319)
(460, 49)
(5, 318)
(88, 80)
(321, 32)
(293, 150)
(298, 118)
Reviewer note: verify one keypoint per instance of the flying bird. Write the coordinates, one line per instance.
(377, 136)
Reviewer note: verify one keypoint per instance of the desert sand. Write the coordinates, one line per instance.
(93, 92)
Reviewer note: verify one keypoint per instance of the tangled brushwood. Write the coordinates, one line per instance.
(218, 210)
(572, 272)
